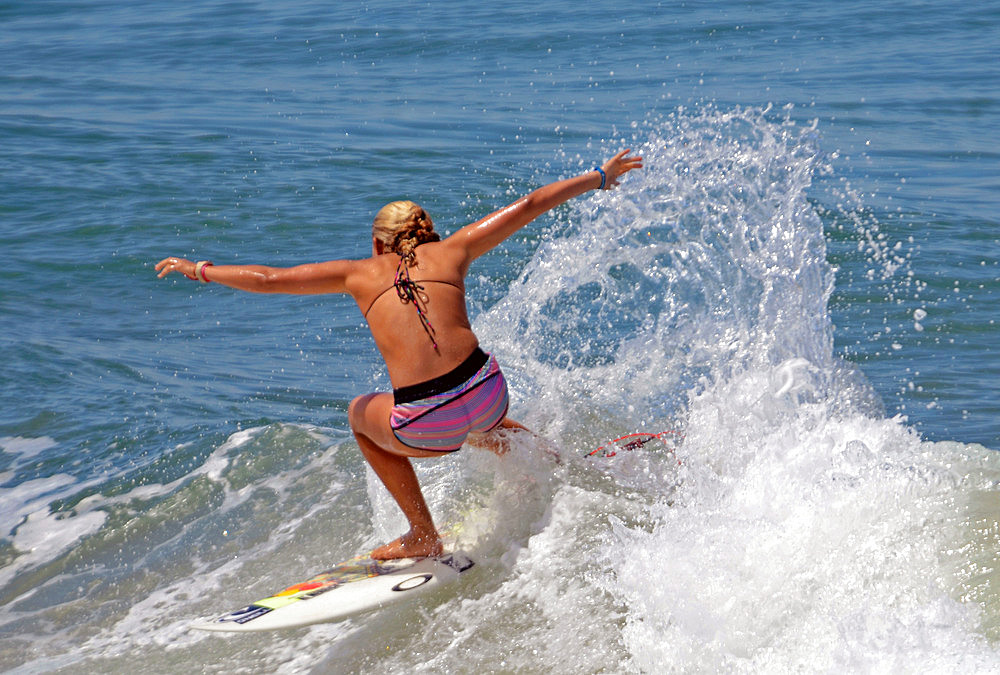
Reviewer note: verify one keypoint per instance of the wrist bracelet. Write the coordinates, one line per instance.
(199, 271)
(604, 176)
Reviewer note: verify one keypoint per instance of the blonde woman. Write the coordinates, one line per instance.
(412, 294)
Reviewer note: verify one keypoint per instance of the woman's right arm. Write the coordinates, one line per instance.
(486, 233)
(325, 277)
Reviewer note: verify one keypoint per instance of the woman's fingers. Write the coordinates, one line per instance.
(168, 265)
(619, 165)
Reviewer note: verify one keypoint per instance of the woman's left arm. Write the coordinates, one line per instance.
(486, 233)
(325, 277)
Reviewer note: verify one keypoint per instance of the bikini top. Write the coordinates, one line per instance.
(408, 291)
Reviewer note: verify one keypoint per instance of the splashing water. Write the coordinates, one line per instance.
(710, 261)
(802, 529)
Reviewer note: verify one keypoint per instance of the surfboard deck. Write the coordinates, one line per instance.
(351, 587)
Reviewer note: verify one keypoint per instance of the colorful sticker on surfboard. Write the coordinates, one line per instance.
(630, 442)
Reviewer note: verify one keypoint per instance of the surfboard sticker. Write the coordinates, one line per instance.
(351, 587)
(636, 441)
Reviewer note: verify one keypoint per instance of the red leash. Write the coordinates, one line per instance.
(630, 442)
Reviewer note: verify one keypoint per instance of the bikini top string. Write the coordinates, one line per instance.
(410, 291)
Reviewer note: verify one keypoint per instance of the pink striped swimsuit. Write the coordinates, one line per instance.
(438, 414)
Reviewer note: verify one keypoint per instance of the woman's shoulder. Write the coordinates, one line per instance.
(447, 254)
(440, 259)
(360, 274)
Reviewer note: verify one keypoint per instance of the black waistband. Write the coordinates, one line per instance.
(463, 372)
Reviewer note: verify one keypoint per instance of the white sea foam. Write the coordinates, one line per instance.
(26, 448)
(797, 540)
(36, 533)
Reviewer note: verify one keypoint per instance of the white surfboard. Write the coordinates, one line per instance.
(354, 586)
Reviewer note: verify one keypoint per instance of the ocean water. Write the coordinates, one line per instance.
(803, 284)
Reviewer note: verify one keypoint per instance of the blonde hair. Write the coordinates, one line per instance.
(402, 227)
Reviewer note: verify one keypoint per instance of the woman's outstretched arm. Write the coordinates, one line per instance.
(325, 277)
(485, 234)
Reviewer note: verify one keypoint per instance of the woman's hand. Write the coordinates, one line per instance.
(618, 166)
(168, 265)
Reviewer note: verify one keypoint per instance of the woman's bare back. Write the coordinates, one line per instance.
(406, 345)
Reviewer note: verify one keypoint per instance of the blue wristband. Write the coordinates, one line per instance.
(604, 176)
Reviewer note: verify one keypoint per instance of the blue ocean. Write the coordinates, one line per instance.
(802, 285)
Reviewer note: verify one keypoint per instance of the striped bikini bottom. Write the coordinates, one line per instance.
(438, 414)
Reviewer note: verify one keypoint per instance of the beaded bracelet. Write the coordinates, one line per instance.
(604, 176)
(199, 271)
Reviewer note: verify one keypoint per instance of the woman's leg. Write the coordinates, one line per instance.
(369, 418)
(495, 440)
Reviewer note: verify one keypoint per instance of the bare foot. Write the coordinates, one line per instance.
(409, 546)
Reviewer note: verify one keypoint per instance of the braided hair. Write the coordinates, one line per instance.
(402, 227)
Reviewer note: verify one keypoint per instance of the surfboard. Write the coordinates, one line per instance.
(352, 587)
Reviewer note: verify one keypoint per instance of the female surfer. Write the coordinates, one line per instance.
(412, 294)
